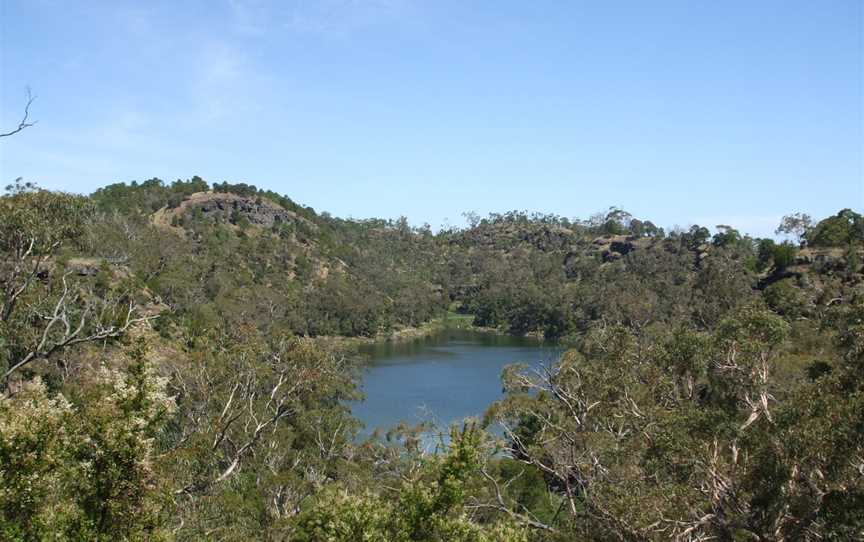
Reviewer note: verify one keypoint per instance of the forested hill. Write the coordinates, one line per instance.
(165, 377)
(236, 254)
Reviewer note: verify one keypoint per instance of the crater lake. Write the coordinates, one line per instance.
(443, 378)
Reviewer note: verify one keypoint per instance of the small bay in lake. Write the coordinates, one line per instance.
(443, 378)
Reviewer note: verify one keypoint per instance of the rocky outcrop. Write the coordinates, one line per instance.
(615, 247)
(229, 208)
(509, 235)
(622, 247)
(611, 255)
(549, 238)
(226, 208)
(827, 259)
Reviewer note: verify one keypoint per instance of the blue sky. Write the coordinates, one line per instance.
(678, 111)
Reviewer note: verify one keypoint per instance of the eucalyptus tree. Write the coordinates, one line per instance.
(45, 306)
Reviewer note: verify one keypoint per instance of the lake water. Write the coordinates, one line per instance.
(444, 378)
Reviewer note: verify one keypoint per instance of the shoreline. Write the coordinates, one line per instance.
(429, 328)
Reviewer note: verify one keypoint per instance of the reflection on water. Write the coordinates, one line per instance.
(443, 378)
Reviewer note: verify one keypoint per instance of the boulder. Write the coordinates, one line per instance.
(611, 255)
(622, 247)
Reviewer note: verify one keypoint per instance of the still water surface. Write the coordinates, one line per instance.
(444, 378)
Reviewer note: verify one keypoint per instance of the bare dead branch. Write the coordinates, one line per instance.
(253, 408)
(501, 505)
(72, 333)
(24, 121)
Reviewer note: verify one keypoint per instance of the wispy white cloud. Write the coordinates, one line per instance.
(117, 128)
(224, 82)
(328, 18)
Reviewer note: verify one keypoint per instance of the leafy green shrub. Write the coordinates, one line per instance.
(429, 508)
(82, 470)
(784, 255)
(785, 298)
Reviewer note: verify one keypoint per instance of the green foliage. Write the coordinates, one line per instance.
(784, 255)
(697, 235)
(427, 508)
(39, 221)
(726, 236)
(844, 228)
(633, 432)
(340, 517)
(770, 254)
(82, 470)
(785, 298)
(853, 259)
(148, 196)
(796, 224)
(269, 428)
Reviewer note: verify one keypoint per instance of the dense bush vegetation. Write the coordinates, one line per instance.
(167, 374)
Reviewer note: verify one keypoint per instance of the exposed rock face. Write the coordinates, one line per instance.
(615, 247)
(827, 259)
(257, 212)
(548, 238)
(621, 247)
(544, 238)
(84, 267)
(611, 255)
(571, 260)
(228, 208)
